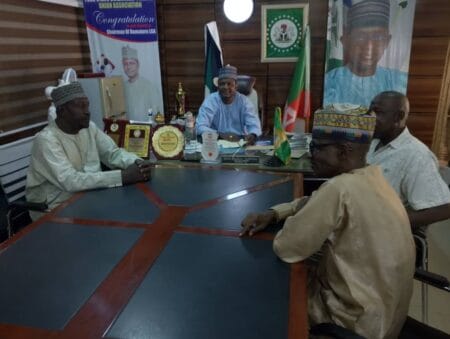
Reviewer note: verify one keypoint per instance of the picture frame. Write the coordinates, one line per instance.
(282, 27)
(137, 139)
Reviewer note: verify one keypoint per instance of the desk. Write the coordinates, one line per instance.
(300, 165)
(155, 260)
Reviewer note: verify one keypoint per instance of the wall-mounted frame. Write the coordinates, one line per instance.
(282, 28)
(71, 3)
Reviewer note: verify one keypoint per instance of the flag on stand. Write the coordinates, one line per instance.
(213, 56)
(298, 103)
(280, 142)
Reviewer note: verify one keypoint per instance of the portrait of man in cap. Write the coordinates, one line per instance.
(355, 218)
(365, 38)
(140, 93)
(229, 113)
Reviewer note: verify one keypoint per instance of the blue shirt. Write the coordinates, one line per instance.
(239, 117)
(342, 86)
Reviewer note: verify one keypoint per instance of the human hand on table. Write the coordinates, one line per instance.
(256, 222)
(139, 171)
(230, 137)
(250, 139)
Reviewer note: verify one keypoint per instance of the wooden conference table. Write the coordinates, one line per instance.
(156, 260)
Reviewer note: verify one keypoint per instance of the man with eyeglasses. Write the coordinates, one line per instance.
(365, 39)
(364, 279)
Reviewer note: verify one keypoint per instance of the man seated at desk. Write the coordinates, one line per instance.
(229, 112)
(66, 154)
(364, 280)
(408, 164)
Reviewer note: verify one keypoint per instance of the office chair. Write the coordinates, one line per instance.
(245, 85)
(14, 162)
(420, 239)
(412, 329)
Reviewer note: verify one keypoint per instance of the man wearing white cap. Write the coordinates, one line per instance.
(228, 112)
(365, 38)
(364, 280)
(67, 154)
(140, 93)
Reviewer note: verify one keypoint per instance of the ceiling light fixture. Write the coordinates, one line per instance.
(238, 11)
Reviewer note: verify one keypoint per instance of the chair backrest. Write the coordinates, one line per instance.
(245, 85)
(14, 162)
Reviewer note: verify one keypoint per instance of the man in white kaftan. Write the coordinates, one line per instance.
(66, 155)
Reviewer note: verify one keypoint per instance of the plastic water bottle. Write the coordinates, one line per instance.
(189, 130)
(150, 118)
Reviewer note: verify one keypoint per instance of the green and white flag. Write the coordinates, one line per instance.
(213, 57)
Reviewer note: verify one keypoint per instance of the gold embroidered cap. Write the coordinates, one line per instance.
(344, 122)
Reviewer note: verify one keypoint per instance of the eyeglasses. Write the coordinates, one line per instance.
(313, 146)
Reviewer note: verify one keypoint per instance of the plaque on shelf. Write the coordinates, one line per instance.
(115, 128)
(137, 139)
(168, 142)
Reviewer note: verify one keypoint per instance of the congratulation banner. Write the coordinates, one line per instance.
(123, 40)
(368, 49)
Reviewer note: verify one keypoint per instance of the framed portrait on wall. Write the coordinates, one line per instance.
(282, 28)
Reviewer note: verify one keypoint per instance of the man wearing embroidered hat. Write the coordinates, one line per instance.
(364, 279)
(228, 112)
(66, 154)
(140, 93)
(365, 39)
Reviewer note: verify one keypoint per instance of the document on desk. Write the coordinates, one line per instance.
(231, 144)
(259, 148)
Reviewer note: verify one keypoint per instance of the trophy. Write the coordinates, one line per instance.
(181, 98)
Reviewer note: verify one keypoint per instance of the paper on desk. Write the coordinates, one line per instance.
(230, 144)
(259, 148)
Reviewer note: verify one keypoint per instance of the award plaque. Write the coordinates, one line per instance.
(210, 148)
(168, 142)
(115, 129)
(137, 140)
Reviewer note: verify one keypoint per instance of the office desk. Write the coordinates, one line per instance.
(155, 260)
(300, 165)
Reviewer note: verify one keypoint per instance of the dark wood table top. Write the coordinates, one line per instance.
(156, 260)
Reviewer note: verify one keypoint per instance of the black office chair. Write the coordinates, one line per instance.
(333, 331)
(14, 162)
(412, 329)
(245, 85)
